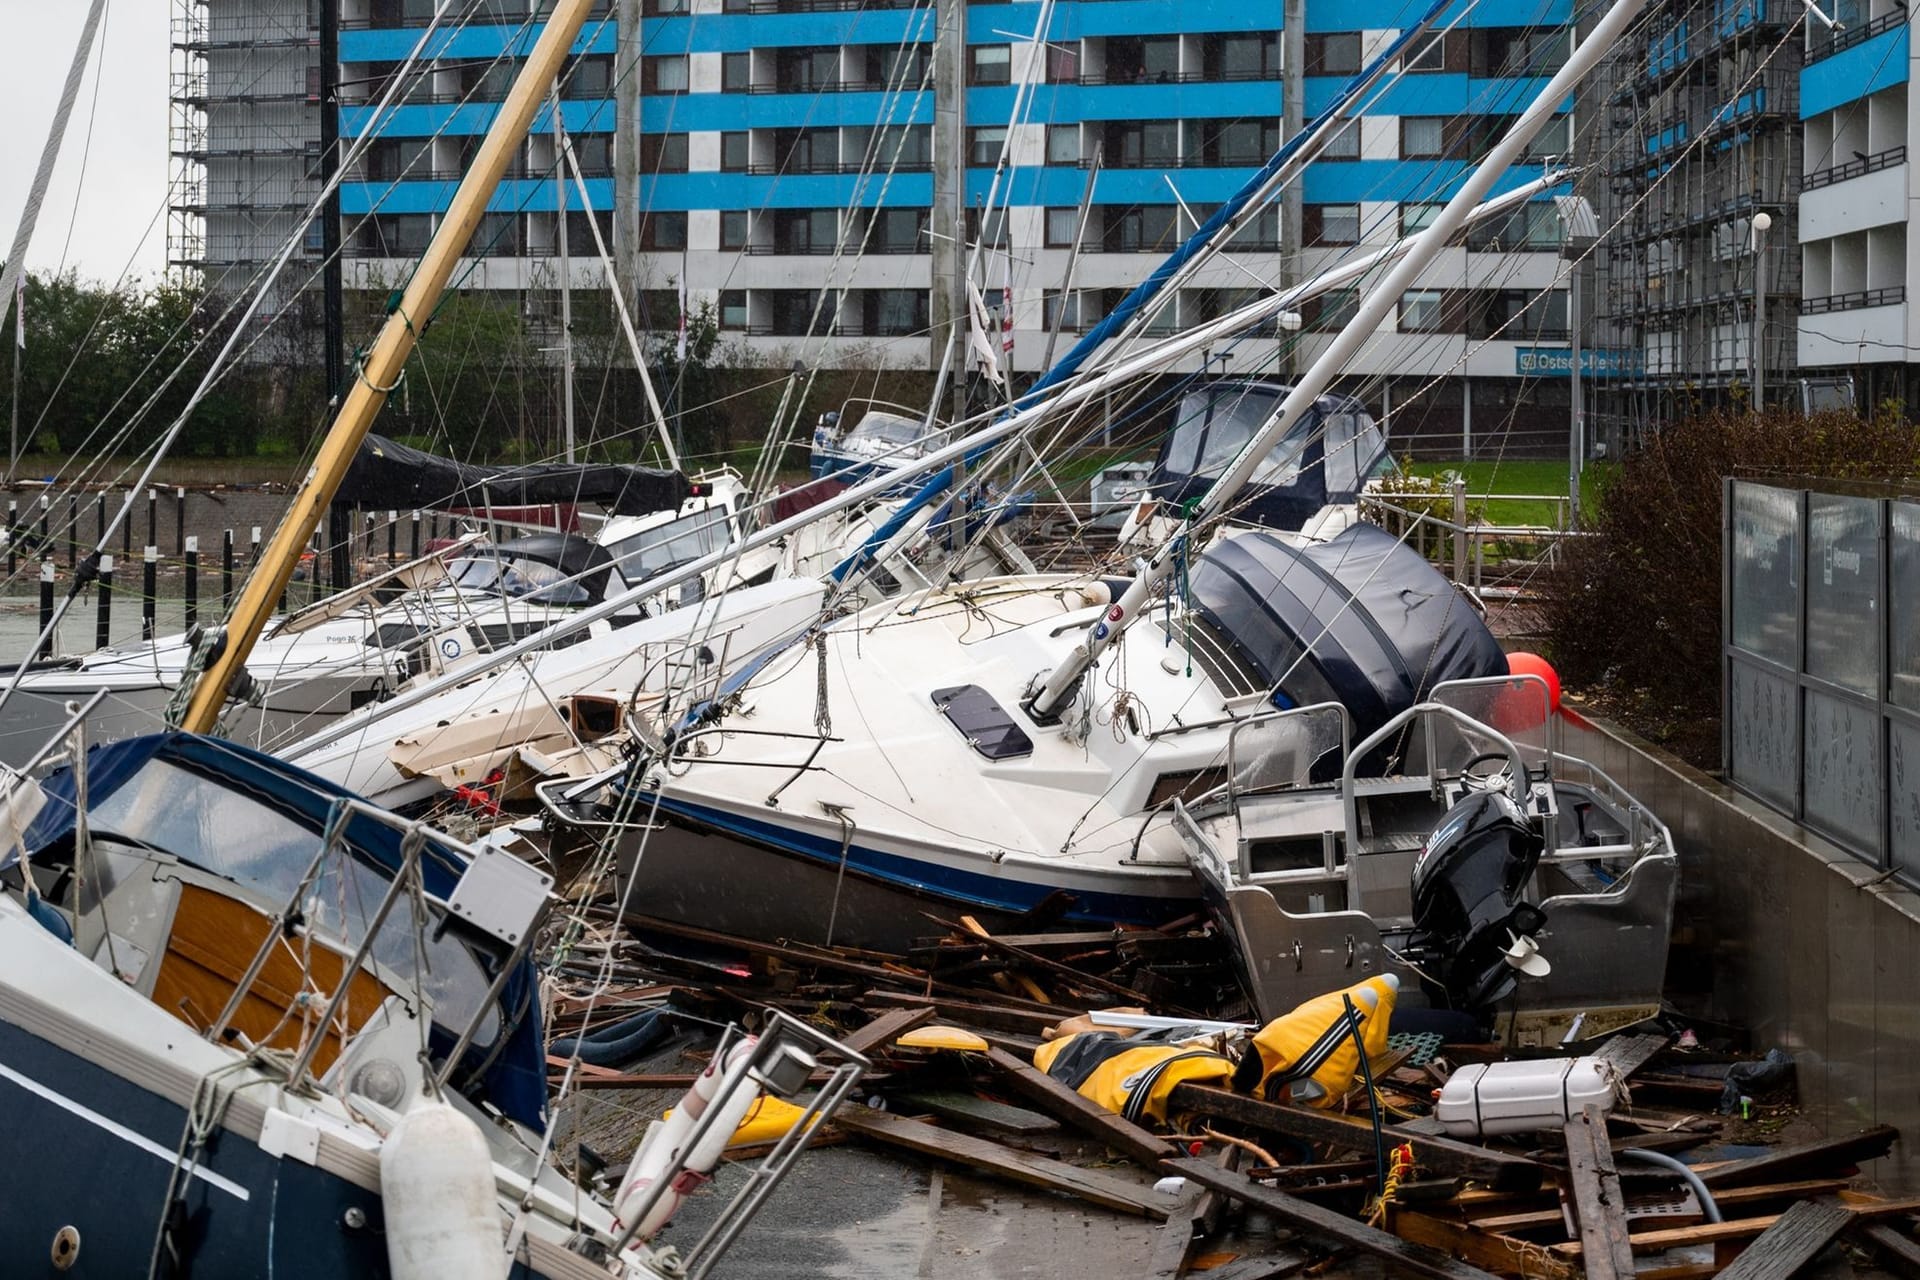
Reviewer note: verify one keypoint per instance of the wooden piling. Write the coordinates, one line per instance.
(103, 623)
(149, 591)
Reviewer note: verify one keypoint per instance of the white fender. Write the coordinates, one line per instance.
(437, 1191)
(666, 1139)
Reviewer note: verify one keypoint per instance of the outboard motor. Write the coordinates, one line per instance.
(1470, 928)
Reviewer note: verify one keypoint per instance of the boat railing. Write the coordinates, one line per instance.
(1521, 705)
(688, 657)
(1277, 751)
(1646, 832)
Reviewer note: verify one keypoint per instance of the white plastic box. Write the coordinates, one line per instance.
(1481, 1101)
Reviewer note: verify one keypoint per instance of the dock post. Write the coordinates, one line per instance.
(46, 602)
(46, 546)
(149, 590)
(226, 571)
(192, 554)
(103, 625)
(413, 546)
(13, 536)
(126, 531)
(153, 517)
(73, 529)
(180, 519)
(393, 536)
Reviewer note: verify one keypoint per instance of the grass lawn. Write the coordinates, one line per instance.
(1517, 477)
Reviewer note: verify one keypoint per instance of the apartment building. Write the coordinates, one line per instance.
(787, 177)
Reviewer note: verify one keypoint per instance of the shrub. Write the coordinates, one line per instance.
(1635, 605)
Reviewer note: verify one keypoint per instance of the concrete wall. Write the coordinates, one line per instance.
(1781, 932)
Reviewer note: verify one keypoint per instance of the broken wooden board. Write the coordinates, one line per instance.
(1599, 1207)
(1808, 1159)
(1534, 1220)
(1742, 1229)
(1091, 1185)
(1064, 1104)
(1791, 1242)
(885, 1029)
(971, 1111)
(1626, 1054)
(1501, 1255)
(1893, 1244)
(1433, 1154)
(1328, 1224)
(1173, 1243)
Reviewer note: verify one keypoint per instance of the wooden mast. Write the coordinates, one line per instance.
(380, 372)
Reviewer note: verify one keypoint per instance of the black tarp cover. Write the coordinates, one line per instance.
(387, 474)
(1405, 630)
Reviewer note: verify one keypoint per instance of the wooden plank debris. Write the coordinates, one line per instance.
(1894, 1244)
(1091, 1185)
(1744, 1228)
(970, 1109)
(1824, 1156)
(1328, 1224)
(1057, 1100)
(1536, 1219)
(1626, 1054)
(1501, 1255)
(1598, 1205)
(1791, 1242)
(885, 1029)
(1173, 1243)
(1435, 1155)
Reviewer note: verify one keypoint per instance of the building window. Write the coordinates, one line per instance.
(735, 148)
(1336, 53)
(1061, 225)
(806, 230)
(1063, 144)
(1552, 140)
(1429, 53)
(1422, 136)
(1063, 63)
(901, 147)
(995, 233)
(580, 226)
(894, 313)
(896, 230)
(1343, 145)
(663, 153)
(1516, 51)
(1334, 309)
(793, 311)
(1143, 144)
(497, 236)
(984, 144)
(1142, 228)
(667, 8)
(1421, 311)
(665, 74)
(733, 308)
(1243, 57)
(897, 67)
(1233, 143)
(1417, 216)
(1259, 233)
(736, 72)
(664, 230)
(1338, 224)
(736, 228)
(1060, 311)
(795, 70)
(590, 77)
(594, 152)
(990, 64)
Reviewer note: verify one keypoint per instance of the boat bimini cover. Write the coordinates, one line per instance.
(1378, 626)
(390, 475)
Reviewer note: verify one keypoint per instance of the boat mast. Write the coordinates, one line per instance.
(380, 373)
(16, 264)
(1373, 312)
(332, 301)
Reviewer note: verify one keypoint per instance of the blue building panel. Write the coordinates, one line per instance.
(1852, 74)
(394, 44)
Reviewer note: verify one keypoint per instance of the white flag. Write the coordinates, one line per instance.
(979, 344)
(681, 349)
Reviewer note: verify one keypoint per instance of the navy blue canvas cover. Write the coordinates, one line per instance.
(1378, 626)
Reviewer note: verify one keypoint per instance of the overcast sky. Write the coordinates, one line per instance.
(114, 211)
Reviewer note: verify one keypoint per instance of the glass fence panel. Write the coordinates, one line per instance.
(1765, 571)
(1843, 590)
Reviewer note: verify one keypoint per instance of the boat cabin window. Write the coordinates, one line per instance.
(1353, 446)
(230, 834)
(891, 429)
(517, 579)
(1215, 423)
(654, 551)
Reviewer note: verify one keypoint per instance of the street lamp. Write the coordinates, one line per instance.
(1761, 224)
(1583, 231)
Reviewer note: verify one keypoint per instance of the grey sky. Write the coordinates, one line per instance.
(112, 213)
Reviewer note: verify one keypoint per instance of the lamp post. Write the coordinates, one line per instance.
(1582, 231)
(1761, 224)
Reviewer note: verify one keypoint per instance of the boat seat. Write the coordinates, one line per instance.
(213, 940)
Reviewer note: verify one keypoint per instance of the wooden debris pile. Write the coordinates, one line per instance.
(952, 1028)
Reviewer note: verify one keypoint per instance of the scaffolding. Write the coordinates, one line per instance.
(243, 132)
(1699, 132)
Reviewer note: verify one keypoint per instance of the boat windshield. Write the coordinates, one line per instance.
(654, 551)
(516, 578)
(1215, 423)
(230, 833)
(889, 429)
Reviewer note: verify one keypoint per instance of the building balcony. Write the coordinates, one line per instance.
(1859, 167)
(1854, 300)
(1825, 43)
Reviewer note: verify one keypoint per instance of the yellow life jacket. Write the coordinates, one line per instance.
(1310, 1052)
(1132, 1075)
